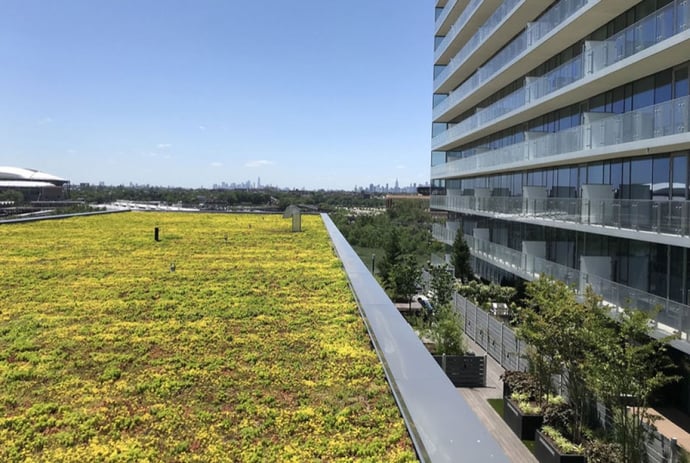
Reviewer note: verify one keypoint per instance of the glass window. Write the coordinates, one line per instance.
(680, 176)
(660, 177)
(616, 177)
(607, 173)
(595, 173)
(618, 105)
(640, 179)
(659, 269)
(437, 40)
(550, 177)
(438, 157)
(597, 104)
(662, 86)
(438, 128)
(438, 98)
(516, 189)
(680, 86)
(438, 11)
(562, 177)
(578, 176)
(643, 92)
(438, 69)
(676, 290)
(641, 171)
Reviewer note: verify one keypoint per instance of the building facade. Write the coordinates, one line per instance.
(560, 143)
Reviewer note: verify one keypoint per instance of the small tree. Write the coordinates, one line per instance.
(442, 283)
(625, 367)
(406, 276)
(559, 332)
(17, 197)
(447, 332)
(461, 258)
(393, 251)
(447, 327)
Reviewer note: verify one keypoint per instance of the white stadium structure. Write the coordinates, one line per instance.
(33, 184)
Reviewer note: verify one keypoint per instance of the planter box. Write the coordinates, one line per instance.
(464, 370)
(524, 426)
(507, 390)
(546, 452)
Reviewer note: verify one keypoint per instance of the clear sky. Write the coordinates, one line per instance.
(302, 93)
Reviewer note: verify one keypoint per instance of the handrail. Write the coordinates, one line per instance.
(441, 424)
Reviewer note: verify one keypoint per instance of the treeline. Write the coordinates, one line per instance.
(408, 222)
(222, 198)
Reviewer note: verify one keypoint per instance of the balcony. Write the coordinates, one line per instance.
(525, 42)
(448, 15)
(656, 216)
(597, 66)
(656, 128)
(465, 26)
(505, 22)
(672, 317)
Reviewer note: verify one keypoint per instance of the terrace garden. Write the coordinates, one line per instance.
(230, 339)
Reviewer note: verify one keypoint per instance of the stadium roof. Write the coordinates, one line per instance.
(26, 184)
(32, 175)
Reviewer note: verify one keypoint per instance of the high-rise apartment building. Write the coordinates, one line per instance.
(560, 145)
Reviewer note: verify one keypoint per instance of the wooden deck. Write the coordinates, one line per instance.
(477, 399)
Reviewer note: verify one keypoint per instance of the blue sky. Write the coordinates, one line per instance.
(302, 93)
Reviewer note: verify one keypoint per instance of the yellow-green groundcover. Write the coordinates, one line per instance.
(230, 339)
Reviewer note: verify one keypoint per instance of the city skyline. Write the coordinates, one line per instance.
(193, 93)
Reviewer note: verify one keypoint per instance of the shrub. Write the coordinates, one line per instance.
(524, 403)
(563, 444)
(558, 414)
(598, 451)
(520, 381)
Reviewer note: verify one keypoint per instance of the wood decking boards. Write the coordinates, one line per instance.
(477, 399)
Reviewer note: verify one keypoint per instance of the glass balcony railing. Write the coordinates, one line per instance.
(528, 38)
(444, 14)
(659, 216)
(457, 27)
(565, 74)
(484, 116)
(667, 118)
(671, 317)
(653, 29)
(660, 25)
(535, 88)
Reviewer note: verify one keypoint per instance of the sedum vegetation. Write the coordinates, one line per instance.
(231, 339)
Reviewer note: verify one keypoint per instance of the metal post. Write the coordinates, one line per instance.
(502, 350)
(674, 450)
(373, 264)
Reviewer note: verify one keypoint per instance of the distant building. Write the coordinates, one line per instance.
(33, 184)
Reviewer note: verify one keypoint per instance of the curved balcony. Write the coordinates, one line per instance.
(664, 126)
(506, 21)
(671, 318)
(448, 15)
(463, 29)
(602, 216)
(532, 37)
(597, 64)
